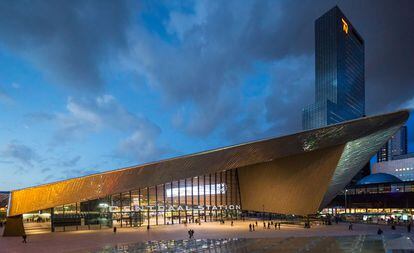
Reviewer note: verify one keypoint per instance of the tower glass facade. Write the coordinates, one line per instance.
(339, 72)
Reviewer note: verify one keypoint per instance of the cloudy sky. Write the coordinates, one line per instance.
(89, 86)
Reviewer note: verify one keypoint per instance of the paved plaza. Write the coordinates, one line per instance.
(91, 240)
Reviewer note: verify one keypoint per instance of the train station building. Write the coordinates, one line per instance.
(295, 174)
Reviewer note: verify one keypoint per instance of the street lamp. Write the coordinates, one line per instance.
(346, 190)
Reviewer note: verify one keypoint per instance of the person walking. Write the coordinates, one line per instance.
(256, 223)
(24, 238)
(232, 223)
(189, 234)
(278, 225)
(379, 232)
(114, 230)
(268, 225)
(253, 227)
(350, 226)
(250, 227)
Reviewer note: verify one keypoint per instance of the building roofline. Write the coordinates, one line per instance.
(405, 111)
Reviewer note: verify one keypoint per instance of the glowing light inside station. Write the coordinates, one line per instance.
(193, 190)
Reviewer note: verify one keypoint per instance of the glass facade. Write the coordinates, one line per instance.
(339, 72)
(395, 147)
(205, 198)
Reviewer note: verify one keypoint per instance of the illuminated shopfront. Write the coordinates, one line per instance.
(381, 202)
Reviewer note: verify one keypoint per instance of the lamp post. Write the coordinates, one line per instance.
(346, 190)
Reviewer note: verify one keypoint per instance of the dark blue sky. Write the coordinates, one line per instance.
(88, 86)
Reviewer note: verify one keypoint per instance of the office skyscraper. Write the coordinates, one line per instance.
(339, 72)
(395, 147)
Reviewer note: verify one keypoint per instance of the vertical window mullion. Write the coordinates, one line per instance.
(185, 201)
(140, 206)
(204, 189)
(156, 205)
(120, 202)
(179, 202)
(163, 186)
(148, 203)
(172, 202)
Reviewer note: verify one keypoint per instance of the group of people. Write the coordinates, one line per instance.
(268, 225)
(380, 231)
(190, 233)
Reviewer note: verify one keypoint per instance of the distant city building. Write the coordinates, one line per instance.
(4, 198)
(339, 70)
(401, 168)
(408, 155)
(395, 147)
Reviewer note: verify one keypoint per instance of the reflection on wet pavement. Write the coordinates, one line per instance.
(362, 243)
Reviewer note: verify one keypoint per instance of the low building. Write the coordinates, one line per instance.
(295, 174)
(377, 198)
(4, 200)
(401, 168)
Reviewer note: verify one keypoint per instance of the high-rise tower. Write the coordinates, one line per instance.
(339, 72)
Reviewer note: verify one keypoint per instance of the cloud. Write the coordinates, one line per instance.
(45, 170)
(38, 117)
(217, 47)
(71, 173)
(409, 104)
(79, 173)
(71, 162)
(20, 153)
(141, 145)
(292, 89)
(210, 49)
(94, 115)
(5, 98)
(198, 54)
(49, 178)
(66, 40)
